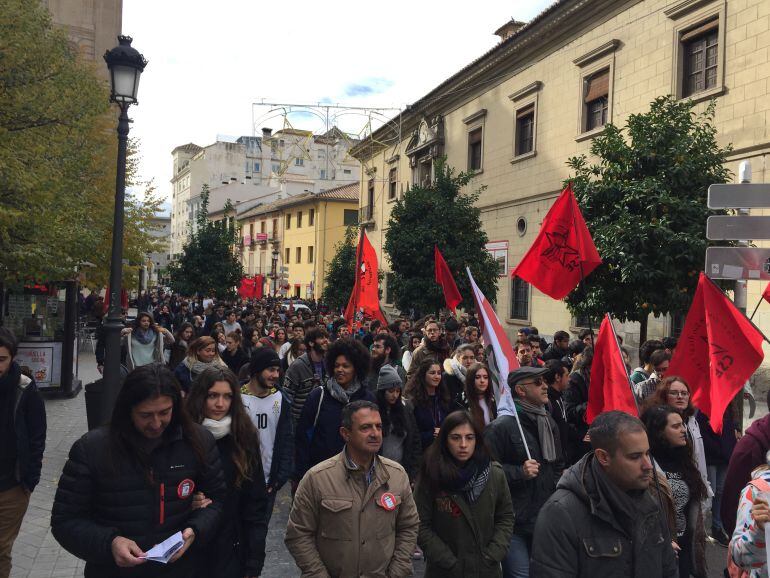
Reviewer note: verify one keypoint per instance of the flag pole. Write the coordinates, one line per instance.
(741, 312)
(755, 308)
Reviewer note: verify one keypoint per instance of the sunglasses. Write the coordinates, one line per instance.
(538, 381)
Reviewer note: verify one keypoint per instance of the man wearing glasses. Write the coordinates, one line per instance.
(531, 479)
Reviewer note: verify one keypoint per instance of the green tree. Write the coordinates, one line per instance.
(644, 201)
(57, 156)
(209, 263)
(440, 214)
(341, 271)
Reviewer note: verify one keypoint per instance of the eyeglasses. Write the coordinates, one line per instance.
(679, 393)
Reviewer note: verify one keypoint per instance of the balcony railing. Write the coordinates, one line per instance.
(365, 214)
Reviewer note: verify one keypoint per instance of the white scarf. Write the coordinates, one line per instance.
(458, 369)
(218, 429)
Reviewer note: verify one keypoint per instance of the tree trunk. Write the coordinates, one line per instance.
(643, 329)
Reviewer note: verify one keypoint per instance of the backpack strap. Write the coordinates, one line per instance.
(318, 411)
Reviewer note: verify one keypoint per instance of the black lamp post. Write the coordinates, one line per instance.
(275, 272)
(126, 66)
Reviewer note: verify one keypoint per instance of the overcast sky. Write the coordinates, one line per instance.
(209, 61)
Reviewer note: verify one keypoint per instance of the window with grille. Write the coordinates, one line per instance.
(700, 51)
(597, 99)
(311, 217)
(519, 299)
(474, 150)
(525, 130)
(392, 183)
(310, 254)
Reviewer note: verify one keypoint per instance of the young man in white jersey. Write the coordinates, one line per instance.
(270, 412)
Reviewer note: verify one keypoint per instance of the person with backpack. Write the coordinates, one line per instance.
(747, 552)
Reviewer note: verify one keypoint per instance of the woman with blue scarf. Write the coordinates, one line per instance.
(144, 342)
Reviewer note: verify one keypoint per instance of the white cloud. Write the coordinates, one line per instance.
(209, 61)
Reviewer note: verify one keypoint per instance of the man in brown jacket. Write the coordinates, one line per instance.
(354, 514)
(433, 347)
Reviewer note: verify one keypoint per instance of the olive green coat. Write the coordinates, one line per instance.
(463, 540)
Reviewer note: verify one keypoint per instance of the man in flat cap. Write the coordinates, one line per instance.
(531, 478)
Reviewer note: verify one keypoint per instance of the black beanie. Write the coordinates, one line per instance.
(261, 359)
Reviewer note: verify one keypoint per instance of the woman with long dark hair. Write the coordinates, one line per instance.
(279, 338)
(466, 515)
(239, 549)
(406, 353)
(682, 485)
(129, 485)
(201, 354)
(576, 402)
(478, 395)
(400, 436)
(145, 341)
(184, 336)
(431, 399)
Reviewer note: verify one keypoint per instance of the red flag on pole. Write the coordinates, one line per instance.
(444, 278)
(766, 293)
(719, 349)
(365, 298)
(563, 252)
(610, 387)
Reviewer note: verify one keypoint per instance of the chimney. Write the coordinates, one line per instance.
(267, 132)
(509, 29)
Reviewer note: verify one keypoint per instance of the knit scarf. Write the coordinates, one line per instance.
(197, 366)
(220, 428)
(458, 369)
(472, 479)
(544, 432)
(340, 394)
(439, 346)
(144, 336)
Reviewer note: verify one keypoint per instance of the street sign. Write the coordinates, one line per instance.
(737, 227)
(742, 196)
(738, 263)
(284, 269)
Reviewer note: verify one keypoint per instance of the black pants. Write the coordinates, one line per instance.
(686, 565)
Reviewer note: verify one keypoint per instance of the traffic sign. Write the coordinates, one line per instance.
(742, 196)
(738, 263)
(737, 227)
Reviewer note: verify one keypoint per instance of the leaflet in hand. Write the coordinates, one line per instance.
(166, 549)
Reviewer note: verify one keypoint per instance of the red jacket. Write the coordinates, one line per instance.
(747, 455)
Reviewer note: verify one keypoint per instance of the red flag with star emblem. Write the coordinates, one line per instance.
(719, 349)
(364, 301)
(563, 252)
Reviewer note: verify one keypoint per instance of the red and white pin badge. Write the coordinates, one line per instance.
(185, 489)
(388, 501)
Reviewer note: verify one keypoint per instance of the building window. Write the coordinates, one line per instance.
(298, 254)
(251, 230)
(299, 162)
(256, 167)
(287, 258)
(596, 90)
(346, 171)
(311, 217)
(700, 50)
(525, 130)
(323, 174)
(392, 183)
(389, 296)
(310, 251)
(350, 217)
(275, 228)
(299, 219)
(677, 324)
(519, 299)
(287, 225)
(263, 227)
(474, 150)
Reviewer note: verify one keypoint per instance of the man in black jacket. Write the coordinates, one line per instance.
(602, 520)
(306, 372)
(531, 478)
(559, 348)
(129, 486)
(22, 441)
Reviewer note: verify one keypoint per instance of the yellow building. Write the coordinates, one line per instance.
(518, 112)
(291, 241)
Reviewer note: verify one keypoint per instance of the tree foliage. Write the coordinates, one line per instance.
(440, 214)
(57, 156)
(644, 201)
(340, 273)
(209, 263)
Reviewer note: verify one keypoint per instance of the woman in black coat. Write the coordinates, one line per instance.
(575, 404)
(239, 548)
(129, 486)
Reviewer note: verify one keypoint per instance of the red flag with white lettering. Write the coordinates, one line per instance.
(719, 349)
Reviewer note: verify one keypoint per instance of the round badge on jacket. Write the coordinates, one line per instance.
(388, 501)
(185, 489)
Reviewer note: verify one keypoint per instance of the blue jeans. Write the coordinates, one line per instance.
(516, 561)
(716, 476)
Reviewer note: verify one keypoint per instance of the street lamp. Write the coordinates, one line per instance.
(275, 272)
(126, 66)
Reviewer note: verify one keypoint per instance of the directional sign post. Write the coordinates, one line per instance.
(741, 196)
(738, 263)
(737, 227)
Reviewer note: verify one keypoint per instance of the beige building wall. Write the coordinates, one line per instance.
(639, 42)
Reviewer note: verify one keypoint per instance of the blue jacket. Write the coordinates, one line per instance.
(30, 425)
(314, 444)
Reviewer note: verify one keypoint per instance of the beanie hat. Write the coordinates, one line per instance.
(388, 378)
(261, 359)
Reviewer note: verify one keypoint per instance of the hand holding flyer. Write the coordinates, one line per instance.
(165, 550)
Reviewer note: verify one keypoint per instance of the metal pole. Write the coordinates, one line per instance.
(739, 293)
(114, 323)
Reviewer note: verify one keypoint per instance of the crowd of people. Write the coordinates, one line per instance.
(391, 442)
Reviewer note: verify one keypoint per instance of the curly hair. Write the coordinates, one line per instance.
(417, 391)
(354, 351)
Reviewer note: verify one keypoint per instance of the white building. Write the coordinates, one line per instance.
(157, 262)
(290, 162)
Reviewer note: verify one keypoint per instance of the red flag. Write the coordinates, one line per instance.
(259, 286)
(610, 387)
(365, 298)
(246, 289)
(563, 251)
(766, 294)
(123, 299)
(444, 278)
(719, 349)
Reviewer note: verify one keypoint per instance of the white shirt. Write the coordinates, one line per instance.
(265, 413)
